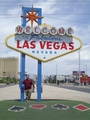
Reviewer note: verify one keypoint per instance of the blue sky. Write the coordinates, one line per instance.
(57, 13)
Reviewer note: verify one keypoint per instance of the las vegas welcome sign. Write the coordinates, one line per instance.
(42, 42)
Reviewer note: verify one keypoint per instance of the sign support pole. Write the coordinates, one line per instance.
(39, 81)
(22, 63)
(22, 75)
(39, 78)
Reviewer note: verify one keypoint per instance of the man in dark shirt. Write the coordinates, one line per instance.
(28, 83)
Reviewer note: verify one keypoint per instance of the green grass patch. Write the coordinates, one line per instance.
(47, 113)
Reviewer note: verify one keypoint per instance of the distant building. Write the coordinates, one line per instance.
(59, 77)
(35, 78)
(9, 67)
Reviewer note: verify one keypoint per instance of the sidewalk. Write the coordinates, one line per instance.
(49, 92)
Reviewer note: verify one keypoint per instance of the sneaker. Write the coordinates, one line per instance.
(27, 100)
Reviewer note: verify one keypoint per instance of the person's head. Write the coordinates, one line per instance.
(27, 76)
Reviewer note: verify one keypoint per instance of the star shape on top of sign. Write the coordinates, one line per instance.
(31, 16)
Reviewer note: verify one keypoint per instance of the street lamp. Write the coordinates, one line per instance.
(86, 75)
(79, 67)
(56, 73)
(86, 69)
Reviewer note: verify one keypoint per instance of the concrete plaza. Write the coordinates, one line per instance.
(12, 92)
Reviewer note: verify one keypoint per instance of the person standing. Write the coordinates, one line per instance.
(28, 83)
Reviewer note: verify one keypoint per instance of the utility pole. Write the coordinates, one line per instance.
(56, 73)
(86, 76)
(86, 69)
(79, 66)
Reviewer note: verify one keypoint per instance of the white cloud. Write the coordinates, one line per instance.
(14, 11)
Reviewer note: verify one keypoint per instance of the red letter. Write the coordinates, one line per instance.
(69, 31)
(61, 31)
(19, 29)
(18, 44)
(27, 30)
(32, 43)
(56, 45)
(36, 30)
(63, 45)
(25, 44)
(49, 44)
(71, 47)
(42, 45)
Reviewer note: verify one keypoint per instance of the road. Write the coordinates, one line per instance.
(73, 87)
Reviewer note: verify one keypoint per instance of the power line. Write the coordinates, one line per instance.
(68, 20)
(52, 18)
(70, 59)
(56, 14)
(44, 1)
(71, 5)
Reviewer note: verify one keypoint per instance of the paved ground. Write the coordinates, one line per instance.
(49, 92)
(4, 85)
(75, 87)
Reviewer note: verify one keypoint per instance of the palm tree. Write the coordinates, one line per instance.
(4, 73)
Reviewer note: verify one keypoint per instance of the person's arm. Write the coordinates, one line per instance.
(33, 84)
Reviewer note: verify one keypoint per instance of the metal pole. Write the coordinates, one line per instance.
(22, 63)
(22, 75)
(56, 74)
(86, 69)
(86, 76)
(39, 80)
(39, 89)
(79, 67)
